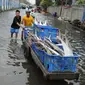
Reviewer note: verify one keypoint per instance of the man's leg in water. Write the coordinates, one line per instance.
(16, 33)
(12, 35)
(12, 32)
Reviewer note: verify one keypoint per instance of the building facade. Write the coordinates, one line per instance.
(9, 4)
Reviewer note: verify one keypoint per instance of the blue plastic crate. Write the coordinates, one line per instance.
(70, 63)
(53, 64)
(48, 31)
(59, 63)
(39, 53)
(26, 31)
(56, 63)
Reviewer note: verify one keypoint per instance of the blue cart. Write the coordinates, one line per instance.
(54, 67)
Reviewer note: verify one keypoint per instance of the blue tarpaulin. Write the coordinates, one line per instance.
(83, 18)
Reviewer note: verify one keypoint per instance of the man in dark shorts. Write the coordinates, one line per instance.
(16, 24)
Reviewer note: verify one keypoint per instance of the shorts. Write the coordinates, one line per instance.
(14, 30)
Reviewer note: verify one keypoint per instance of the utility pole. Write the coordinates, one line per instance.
(62, 1)
(61, 7)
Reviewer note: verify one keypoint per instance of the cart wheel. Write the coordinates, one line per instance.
(29, 51)
(76, 80)
(22, 35)
(45, 77)
(25, 52)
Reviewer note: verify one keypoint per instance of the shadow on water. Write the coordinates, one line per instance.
(36, 76)
(13, 46)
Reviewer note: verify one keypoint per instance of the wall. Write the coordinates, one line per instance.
(14, 3)
(8, 4)
(75, 12)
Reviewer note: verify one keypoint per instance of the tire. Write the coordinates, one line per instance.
(22, 35)
(45, 77)
(29, 51)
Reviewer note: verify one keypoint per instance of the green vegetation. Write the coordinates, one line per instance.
(80, 1)
(58, 2)
(63, 2)
(46, 3)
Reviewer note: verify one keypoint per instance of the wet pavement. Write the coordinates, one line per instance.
(15, 69)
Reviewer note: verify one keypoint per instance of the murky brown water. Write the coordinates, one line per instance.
(15, 69)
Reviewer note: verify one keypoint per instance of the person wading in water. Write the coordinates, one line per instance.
(16, 24)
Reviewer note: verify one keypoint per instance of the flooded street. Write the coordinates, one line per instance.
(15, 69)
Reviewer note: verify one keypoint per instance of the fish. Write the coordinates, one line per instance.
(43, 45)
(56, 48)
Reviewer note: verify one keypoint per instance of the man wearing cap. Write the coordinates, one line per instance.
(27, 20)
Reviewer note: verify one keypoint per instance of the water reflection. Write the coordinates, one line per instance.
(16, 59)
(36, 76)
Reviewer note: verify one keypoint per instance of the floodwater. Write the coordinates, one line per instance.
(15, 69)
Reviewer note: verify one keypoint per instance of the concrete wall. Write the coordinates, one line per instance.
(8, 4)
(75, 12)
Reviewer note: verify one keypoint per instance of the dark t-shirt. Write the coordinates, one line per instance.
(15, 20)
